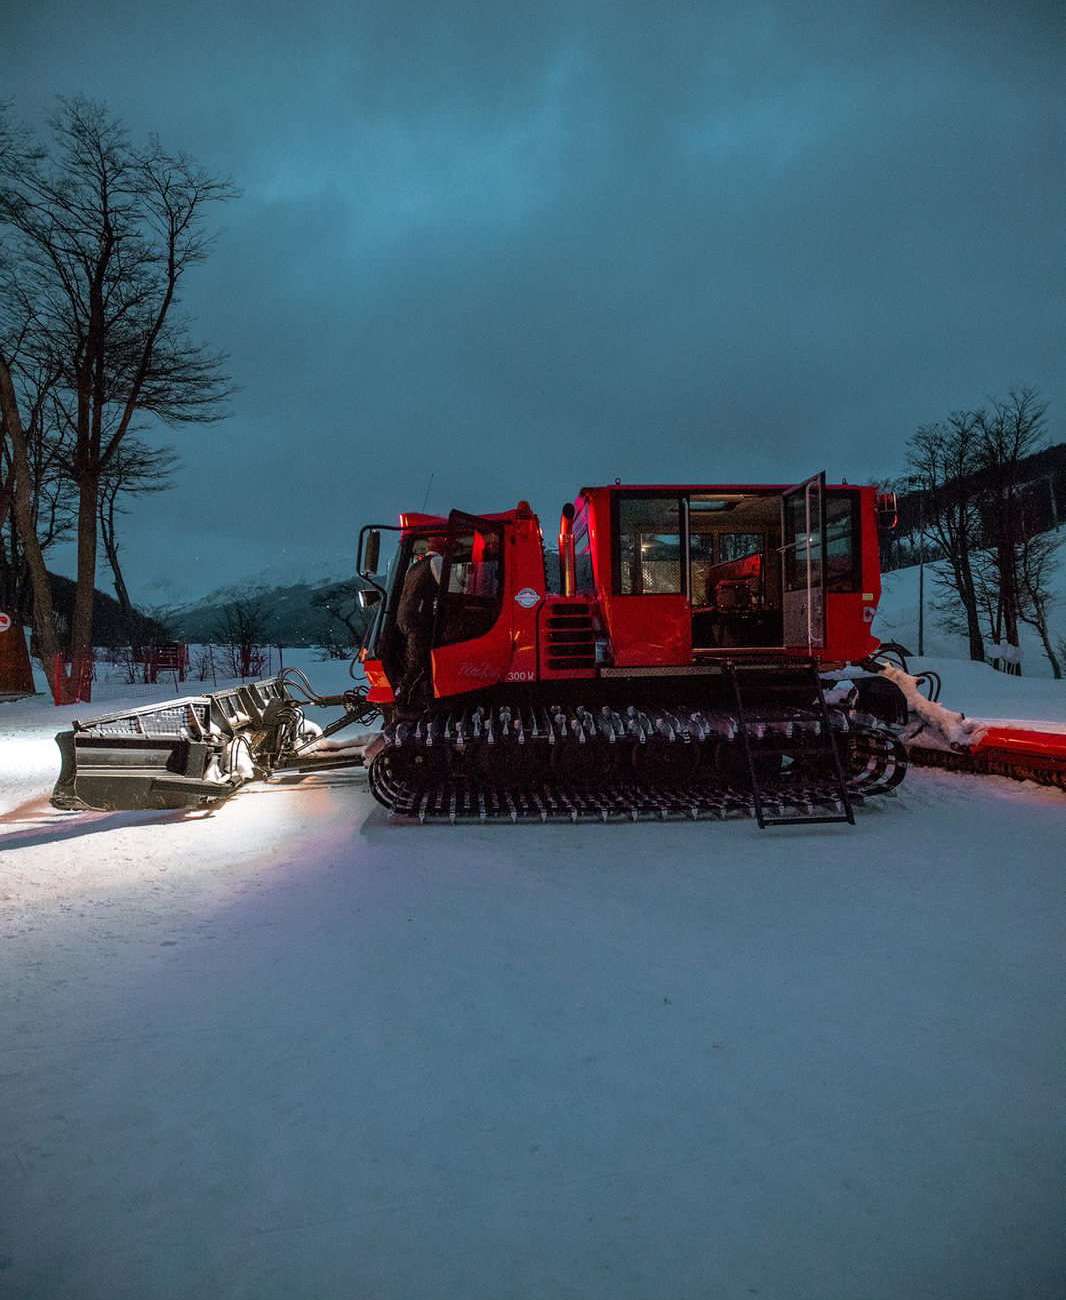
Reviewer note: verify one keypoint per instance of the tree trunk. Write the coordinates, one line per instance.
(1052, 657)
(44, 626)
(107, 533)
(973, 629)
(7, 494)
(81, 631)
(121, 591)
(1039, 621)
(968, 594)
(1008, 587)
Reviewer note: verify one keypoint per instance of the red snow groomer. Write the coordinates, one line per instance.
(671, 662)
(676, 669)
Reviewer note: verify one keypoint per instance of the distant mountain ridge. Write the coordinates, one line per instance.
(279, 577)
(294, 614)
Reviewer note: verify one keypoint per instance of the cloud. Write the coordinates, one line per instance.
(523, 247)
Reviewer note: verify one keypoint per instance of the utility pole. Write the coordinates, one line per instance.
(916, 483)
(921, 598)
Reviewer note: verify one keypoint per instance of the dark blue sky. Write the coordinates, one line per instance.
(526, 246)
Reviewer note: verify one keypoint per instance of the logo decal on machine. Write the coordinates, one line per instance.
(476, 670)
(527, 597)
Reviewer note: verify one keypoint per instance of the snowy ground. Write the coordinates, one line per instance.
(291, 1050)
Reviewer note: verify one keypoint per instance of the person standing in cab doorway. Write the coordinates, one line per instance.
(414, 619)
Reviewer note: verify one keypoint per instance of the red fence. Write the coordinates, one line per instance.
(125, 671)
(170, 658)
(72, 681)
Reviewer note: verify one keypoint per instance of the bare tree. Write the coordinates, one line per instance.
(969, 471)
(241, 631)
(1008, 432)
(19, 152)
(23, 509)
(135, 470)
(100, 234)
(347, 627)
(50, 494)
(942, 460)
(1037, 561)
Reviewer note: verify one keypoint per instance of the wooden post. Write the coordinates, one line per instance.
(16, 671)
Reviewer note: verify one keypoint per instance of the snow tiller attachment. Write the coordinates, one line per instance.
(196, 751)
(936, 736)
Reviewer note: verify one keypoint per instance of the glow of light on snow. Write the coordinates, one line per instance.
(289, 1049)
(21, 755)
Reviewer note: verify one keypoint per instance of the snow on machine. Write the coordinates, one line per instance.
(705, 651)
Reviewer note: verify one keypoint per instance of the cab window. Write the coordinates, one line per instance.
(648, 554)
(584, 576)
(841, 537)
(841, 542)
(472, 586)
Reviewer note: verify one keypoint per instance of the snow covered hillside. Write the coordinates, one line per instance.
(284, 594)
(288, 615)
(266, 583)
(291, 565)
(897, 617)
(292, 1050)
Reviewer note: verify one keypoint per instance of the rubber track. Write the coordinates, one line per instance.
(876, 763)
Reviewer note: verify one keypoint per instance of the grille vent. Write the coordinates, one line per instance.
(571, 638)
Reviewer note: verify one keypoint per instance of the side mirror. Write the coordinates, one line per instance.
(368, 597)
(887, 511)
(372, 553)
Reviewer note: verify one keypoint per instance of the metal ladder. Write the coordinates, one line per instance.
(827, 746)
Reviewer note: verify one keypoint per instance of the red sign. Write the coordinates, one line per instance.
(5, 621)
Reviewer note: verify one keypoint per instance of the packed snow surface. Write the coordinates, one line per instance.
(292, 1050)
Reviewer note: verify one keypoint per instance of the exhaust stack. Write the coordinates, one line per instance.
(567, 581)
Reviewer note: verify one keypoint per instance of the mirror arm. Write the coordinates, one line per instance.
(369, 577)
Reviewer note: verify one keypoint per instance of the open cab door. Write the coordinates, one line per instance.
(471, 642)
(803, 565)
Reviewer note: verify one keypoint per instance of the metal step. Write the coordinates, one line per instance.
(803, 821)
(458, 802)
(826, 745)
